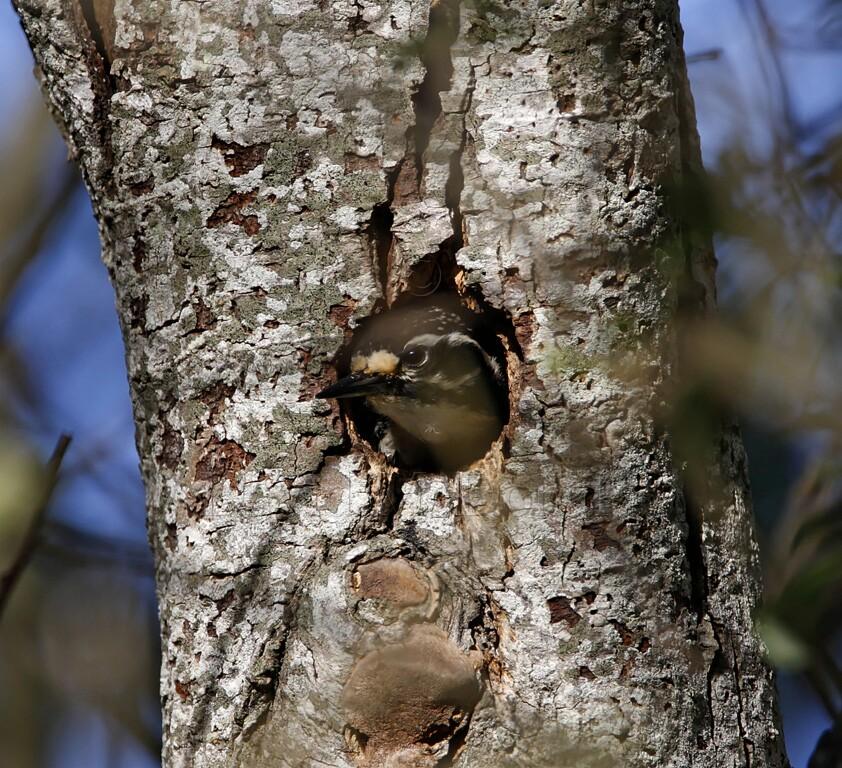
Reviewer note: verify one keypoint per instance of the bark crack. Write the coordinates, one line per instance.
(392, 500)
(442, 33)
(92, 11)
(380, 232)
(456, 743)
(94, 20)
(404, 182)
(456, 176)
(717, 663)
(744, 740)
(695, 556)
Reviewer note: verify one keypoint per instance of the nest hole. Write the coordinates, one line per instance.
(439, 364)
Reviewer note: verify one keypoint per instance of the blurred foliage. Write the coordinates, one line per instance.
(773, 353)
(78, 632)
(35, 495)
(21, 481)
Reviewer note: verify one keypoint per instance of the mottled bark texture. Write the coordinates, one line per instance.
(265, 174)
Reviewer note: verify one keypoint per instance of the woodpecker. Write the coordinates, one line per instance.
(432, 373)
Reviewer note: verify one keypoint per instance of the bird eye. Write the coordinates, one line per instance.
(414, 357)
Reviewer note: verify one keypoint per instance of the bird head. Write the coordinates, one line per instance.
(426, 372)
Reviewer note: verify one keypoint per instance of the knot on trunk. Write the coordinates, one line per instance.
(407, 701)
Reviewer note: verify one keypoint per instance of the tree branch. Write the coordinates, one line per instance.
(10, 578)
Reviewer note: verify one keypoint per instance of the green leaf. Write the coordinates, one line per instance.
(785, 649)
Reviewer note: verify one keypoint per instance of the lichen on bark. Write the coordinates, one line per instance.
(267, 174)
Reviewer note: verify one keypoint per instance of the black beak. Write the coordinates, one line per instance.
(361, 385)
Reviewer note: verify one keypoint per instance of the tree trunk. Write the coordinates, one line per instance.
(265, 174)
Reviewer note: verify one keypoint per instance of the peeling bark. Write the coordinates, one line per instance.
(267, 174)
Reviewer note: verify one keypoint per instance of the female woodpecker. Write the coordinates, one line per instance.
(433, 374)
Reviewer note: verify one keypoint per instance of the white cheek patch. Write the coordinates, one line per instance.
(381, 362)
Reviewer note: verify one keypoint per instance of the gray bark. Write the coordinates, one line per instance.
(560, 603)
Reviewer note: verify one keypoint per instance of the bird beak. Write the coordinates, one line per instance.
(360, 385)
